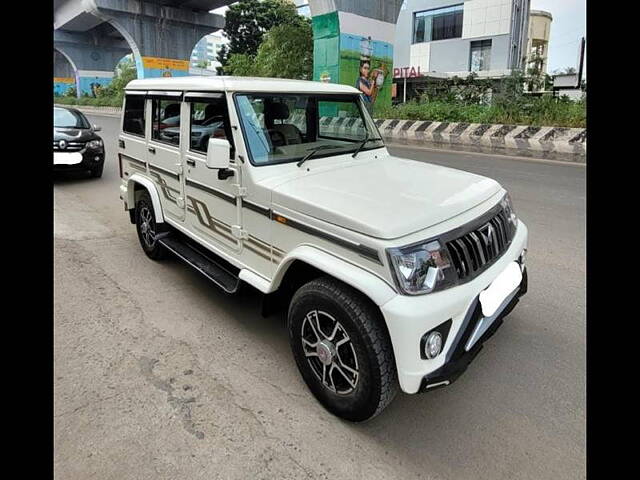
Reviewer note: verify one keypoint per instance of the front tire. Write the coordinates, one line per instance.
(148, 228)
(342, 349)
(96, 172)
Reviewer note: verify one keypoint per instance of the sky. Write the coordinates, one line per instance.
(568, 26)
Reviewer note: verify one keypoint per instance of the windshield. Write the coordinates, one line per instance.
(280, 128)
(63, 118)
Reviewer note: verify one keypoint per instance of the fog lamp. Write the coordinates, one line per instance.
(433, 345)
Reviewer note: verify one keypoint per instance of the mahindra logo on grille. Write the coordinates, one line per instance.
(62, 144)
(487, 234)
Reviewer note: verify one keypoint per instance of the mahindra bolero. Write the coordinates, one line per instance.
(393, 272)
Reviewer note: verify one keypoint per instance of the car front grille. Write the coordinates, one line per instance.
(476, 250)
(70, 147)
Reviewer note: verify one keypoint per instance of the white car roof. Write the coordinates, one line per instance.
(237, 84)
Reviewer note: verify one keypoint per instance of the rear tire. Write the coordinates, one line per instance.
(148, 228)
(342, 349)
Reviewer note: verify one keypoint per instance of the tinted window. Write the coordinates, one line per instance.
(166, 121)
(68, 118)
(209, 120)
(438, 24)
(134, 115)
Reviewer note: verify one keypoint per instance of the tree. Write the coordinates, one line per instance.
(287, 52)
(247, 21)
(125, 72)
(565, 71)
(241, 65)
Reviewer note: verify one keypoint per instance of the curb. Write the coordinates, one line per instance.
(552, 143)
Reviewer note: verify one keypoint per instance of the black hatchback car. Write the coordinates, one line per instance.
(76, 146)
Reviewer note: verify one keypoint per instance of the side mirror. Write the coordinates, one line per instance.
(218, 153)
(97, 128)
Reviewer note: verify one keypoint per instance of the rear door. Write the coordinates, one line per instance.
(164, 151)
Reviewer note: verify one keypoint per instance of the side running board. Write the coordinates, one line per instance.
(208, 267)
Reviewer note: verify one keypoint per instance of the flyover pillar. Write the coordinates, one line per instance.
(162, 37)
(94, 57)
(64, 76)
(348, 37)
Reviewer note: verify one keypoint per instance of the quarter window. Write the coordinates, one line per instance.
(166, 121)
(134, 115)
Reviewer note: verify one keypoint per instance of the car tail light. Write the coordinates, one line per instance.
(120, 164)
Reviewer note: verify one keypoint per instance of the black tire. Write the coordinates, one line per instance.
(97, 171)
(146, 234)
(366, 394)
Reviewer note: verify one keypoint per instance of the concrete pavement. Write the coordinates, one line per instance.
(160, 375)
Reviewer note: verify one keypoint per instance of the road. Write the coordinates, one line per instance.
(158, 375)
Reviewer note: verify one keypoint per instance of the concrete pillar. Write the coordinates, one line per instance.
(161, 37)
(64, 76)
(94, 56)
(347, 34)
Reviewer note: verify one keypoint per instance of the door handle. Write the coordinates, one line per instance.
(191, 162)
(152, 149)
(121, 143)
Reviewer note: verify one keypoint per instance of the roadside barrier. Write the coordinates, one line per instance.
(554, 143)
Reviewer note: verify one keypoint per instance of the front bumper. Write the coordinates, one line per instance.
(408, 318)
(458, 357)
(88, 161)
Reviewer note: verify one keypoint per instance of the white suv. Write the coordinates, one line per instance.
(393, 271)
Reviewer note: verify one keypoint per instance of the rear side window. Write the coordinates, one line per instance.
(134, 115)
(166, 121)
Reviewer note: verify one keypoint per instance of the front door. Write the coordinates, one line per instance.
(164, 152)
(212, 210)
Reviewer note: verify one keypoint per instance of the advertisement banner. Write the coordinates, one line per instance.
(164, 67)
(360, 61)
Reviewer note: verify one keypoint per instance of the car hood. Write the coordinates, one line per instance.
(74, 134)
(386, 198)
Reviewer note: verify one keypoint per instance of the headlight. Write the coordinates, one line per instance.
(422, 268)
(95, 144)
(510, 213)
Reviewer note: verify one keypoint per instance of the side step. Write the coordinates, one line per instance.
(208, 267)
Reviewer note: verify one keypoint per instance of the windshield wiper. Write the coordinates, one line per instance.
(362, 144)
(314, 151)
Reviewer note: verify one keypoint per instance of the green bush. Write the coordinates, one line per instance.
(538, 111)
(467, 100)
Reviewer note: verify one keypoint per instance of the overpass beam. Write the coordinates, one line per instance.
(349, 33)
(161, 37)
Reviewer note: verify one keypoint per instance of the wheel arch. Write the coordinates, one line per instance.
(312, 262)
(135, 183)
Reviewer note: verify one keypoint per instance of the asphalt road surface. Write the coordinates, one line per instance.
(159, 375)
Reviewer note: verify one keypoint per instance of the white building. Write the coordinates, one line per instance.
(449, 37)
(206, 50)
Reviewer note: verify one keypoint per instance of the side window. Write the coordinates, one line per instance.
(166, 121)
(209, 119)
(134, 115)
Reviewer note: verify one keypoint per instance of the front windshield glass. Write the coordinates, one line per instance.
(281, 128)
(63, 118)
